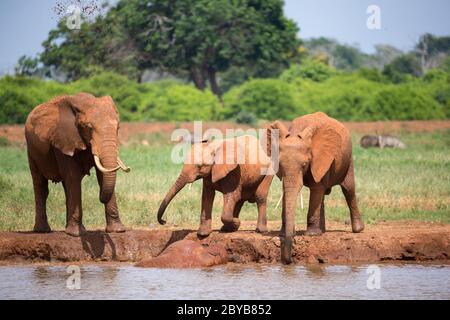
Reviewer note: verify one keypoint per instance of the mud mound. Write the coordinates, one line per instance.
(383, 242)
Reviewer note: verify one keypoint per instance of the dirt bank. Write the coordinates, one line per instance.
(395, 241)
(15, 133)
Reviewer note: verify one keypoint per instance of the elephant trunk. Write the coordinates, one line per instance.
(108, 159)
(176, 187)
(291, 187)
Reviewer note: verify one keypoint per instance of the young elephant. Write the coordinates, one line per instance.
(316, 152)
(236, 173)
(66, 137)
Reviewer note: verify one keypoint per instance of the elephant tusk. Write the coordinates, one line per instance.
(190, 186)
(279, 201)
(98, 164)
(123, 166)
(301, 198)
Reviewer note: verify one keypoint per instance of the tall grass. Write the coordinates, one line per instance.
(392, 184)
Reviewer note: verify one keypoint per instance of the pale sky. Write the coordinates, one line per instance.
(24, 24)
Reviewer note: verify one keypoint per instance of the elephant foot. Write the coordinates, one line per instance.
(261, 229)
(203, 232)
(357, 225)
(286, 250)
(313, 231)
(75, 230)
(115, 227)
(231, 227)
(42, 228)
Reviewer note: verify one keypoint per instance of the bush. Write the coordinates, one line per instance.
(19, 95)
(351, 97)
(124, 92)
(168, 100)
(310, 69)
(246, 117)
(265, 98)
(164, 100)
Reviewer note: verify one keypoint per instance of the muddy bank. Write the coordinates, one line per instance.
(397, 241)
(136, 130)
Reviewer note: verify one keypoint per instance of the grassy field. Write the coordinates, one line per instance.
(410, 184)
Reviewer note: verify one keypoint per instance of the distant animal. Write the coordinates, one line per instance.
(381, 142)
(239, 181)
(316, 151)
(187, 254)
(66, 137)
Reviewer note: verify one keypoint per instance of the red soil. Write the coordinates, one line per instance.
(393, 241)
(15, 133)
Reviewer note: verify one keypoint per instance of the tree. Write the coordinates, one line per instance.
(26, 66)
(432, 51)
(384, 55)
(340, 56)
(407, 64)
(193, 38)
(204, 37)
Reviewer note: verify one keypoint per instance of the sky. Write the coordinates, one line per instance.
(24, 24)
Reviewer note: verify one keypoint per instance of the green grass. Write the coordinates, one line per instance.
(410, 184)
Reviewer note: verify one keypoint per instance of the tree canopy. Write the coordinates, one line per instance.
(191, 38)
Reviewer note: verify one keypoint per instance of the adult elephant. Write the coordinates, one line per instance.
(316, 152)
(234, 167)
(66, 137)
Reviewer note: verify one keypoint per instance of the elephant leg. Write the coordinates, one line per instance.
(72, 177)
(261, 201)
(237, 208)
(208, 195)
(230, 223)
(40, 185)
(348, 188)
(314, 211)
(322, 216)
(113, 222)
(74, 225)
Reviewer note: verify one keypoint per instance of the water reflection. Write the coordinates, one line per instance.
(227, 282)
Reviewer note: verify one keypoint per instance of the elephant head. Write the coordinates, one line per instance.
(205, 159)
(85, 121)
(309, 151)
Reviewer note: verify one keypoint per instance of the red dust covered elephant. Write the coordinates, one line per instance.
(187, 254)
(316, 151)
(66, 137)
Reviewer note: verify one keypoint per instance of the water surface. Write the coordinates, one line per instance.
(409, 281)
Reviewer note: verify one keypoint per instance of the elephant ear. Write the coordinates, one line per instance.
(65, 135)
(225, 159)
(276, 127)
(276, 132)
(325, 146)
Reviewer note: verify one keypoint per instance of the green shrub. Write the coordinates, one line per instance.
(310, 69)
(352, 97)
(246, 117)
(404, 103)
(265, 98)
(172, 101)
(19, 95)
(124, 92)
